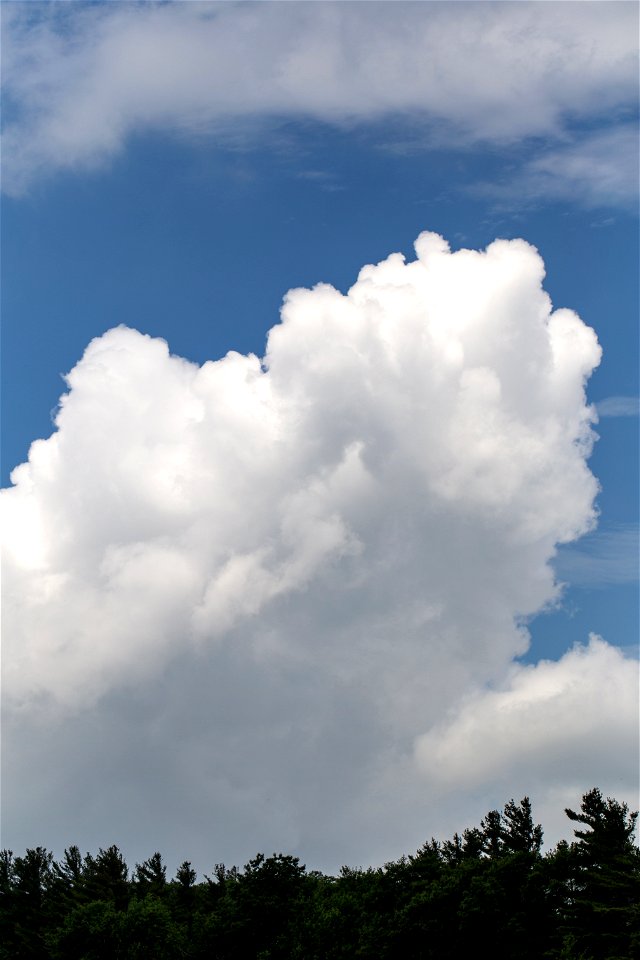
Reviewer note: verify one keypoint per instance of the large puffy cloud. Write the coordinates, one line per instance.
(270, 577)
(537, 721)
(79, 80)
(438, 406)
(546, 731)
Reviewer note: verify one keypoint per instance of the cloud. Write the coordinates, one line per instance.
(603, 557)
(537, 720)
(545, 730)
(79, 81)
(260, 581)
(596, 169)
(618, 407)
(393, 411)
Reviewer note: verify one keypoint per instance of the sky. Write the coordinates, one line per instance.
(320, 423)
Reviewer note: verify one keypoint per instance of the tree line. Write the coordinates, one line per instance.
(487, 890)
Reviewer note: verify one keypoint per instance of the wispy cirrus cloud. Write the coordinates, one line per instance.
(618, 407)
(599, 168)
(604, 557)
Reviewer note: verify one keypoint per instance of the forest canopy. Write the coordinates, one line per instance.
(489, 885)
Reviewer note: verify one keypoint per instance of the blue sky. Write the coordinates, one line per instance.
(185, 203)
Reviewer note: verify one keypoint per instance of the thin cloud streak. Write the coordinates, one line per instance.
(598, 169)
(618, 407)
(602, 558)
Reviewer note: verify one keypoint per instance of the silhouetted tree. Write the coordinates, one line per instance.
(519, 834)
(489, 886)
(150, 877)
(106, 877)
(603, 916)
(31, 883)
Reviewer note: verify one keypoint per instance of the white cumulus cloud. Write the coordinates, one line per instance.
(269, 577)
(546, 730)
(559, 719)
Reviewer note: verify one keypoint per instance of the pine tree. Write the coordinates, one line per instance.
(603, 916)
(150, 877)
(519, 834)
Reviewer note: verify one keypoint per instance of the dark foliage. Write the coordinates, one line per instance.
(491, 885)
